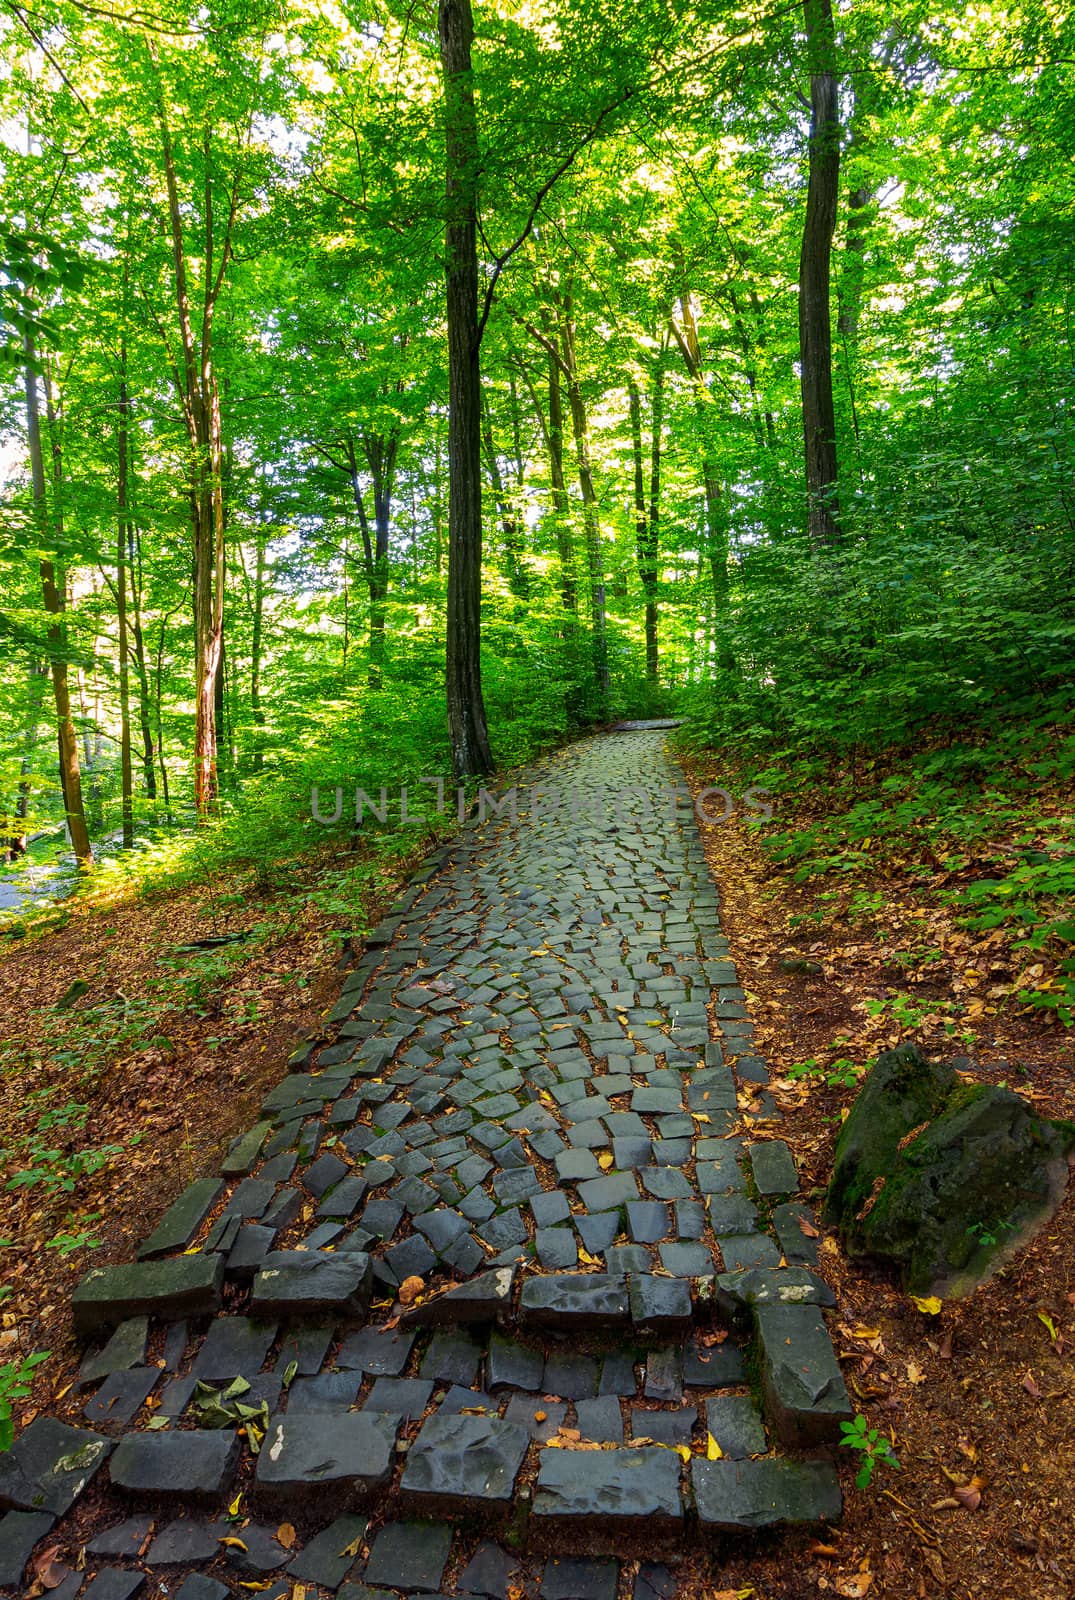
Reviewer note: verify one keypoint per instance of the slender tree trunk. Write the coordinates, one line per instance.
(381, 453)
(54, 598)
(647, 512)
(716, 522)
(716, 516)
(145, 706)
(221, 710)
(201, 408)
(122, 542)
(16, 844)
(160, 719)
(437, 507)
(590, 520)
(468, 733)
(256, 713)
(815, 324)
(552, 432)
(853, 266)
(517, 578)
(565, 544)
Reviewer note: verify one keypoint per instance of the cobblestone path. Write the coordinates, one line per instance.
(508, 1284)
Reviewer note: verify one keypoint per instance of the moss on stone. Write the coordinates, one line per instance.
(972, 1185)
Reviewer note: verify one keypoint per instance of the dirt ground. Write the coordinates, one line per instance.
(978, 1400)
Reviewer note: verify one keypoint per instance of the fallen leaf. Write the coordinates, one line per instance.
(915, 1373)
(410, 1289)
(970, 1495)
(541, 1416)
(232, 1544)
(854, 1587)
(930, 1304)
(604, 1160)
(233, 1509)
(1031, 1387)
(46, 1571)
(713, 1452)
(1043, 1316)
(808, 1228)
(285, 1535)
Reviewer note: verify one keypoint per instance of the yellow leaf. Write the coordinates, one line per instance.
(604, 1160)
(865, 1333)
(930, 1304)
(1043, 1316)
(700, 1116)
(683, 1451)
(588, 1259)
(232, 1544)
(713, 1452)
(233, 1509)
(285, 1535)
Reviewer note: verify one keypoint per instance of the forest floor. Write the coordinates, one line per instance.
(977, 1400)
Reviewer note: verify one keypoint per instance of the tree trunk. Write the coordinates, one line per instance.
(122, 542)
(853, 267)
(54, 598)
(201, 409)
(17, 840)
(138, 655)
(815, 325)
(565, 545)
(590, 520)
(552, 432)
(380, 452)
(160, 718)
(647, 513)
(517, 579)
(256, 713)
(468, 734)
(716, 519)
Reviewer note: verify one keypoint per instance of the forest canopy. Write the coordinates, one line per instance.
(545, 362)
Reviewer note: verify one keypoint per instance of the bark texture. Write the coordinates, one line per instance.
(815, 320)
(467, 730)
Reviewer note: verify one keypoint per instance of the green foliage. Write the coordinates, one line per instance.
(15, 1381)
(871, 1446)
(843, 1073)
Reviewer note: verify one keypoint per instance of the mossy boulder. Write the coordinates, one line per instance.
(943, 1178)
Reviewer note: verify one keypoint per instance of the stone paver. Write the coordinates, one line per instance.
(525, 1117)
